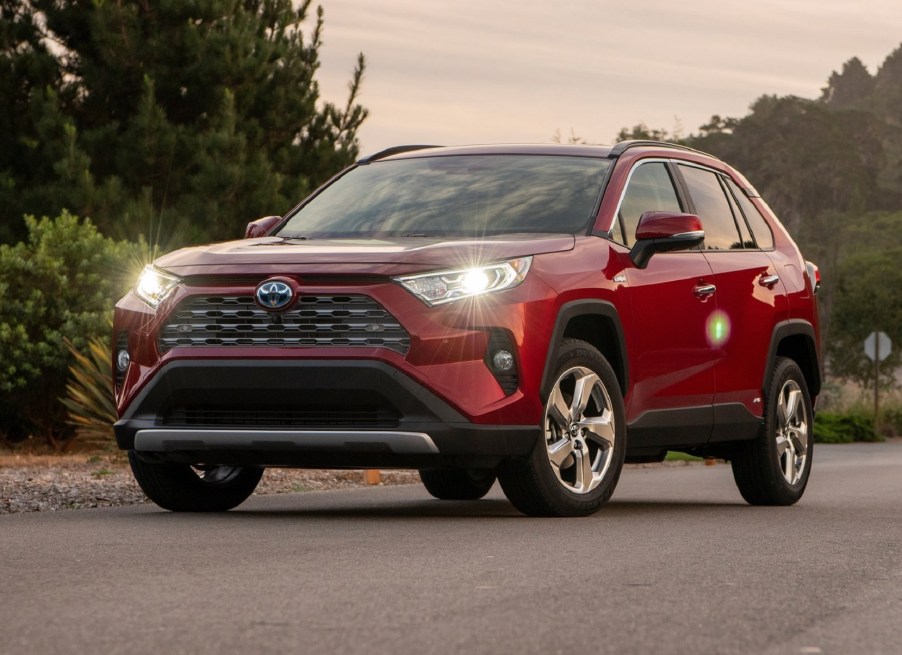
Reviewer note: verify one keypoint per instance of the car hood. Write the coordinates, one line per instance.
(373, 256)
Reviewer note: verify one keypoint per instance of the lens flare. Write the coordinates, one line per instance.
(718, 328)
(475, 281)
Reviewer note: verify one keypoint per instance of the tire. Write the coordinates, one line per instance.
(577, 460)
(774, 468)
(184, 488)
(457, 484)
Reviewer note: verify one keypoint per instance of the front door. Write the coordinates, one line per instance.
(672, 300)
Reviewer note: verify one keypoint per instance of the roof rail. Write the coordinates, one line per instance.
(388, 152)
(623, 146)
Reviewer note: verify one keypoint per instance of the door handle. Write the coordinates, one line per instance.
(768, 281)
(704, 290)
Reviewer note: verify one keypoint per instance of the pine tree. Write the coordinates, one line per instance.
(32, 129)
(180, 118)
(850, 89)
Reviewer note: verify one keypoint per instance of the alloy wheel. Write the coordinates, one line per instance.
(579, 430)
(792, 432)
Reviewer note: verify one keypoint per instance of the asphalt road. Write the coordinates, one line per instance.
(676, 563)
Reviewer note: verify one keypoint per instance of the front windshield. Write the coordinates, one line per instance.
(460, 195)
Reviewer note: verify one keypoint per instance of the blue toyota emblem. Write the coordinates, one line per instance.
(273, 295)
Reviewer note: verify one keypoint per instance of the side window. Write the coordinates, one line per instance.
(760, 228)
(713, 208)
(747, 240)
(650, 189)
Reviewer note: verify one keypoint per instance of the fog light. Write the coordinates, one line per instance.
(502, 360)
(122, 360)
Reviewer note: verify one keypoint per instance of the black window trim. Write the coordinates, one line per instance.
(617, 224)
(724, 189)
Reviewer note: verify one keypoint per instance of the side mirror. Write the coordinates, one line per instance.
(261, 226)
(665, 232)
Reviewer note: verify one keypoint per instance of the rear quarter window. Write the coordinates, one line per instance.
(760, 229)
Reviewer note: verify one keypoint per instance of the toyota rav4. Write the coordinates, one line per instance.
(537, 315)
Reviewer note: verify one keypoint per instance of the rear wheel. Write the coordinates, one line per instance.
(577, 462)
(774, 468)
(184, 488)
(457, 484)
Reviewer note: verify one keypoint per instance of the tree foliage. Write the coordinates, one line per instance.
(59, 285)
(191, 117)
(849, 89)
(804, 157)
(643, 132)
(868, 300)
(831, 169)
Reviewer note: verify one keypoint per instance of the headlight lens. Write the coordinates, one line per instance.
(447, 286)
(154, 285)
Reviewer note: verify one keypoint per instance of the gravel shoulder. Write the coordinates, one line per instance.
(52, 482)
(42, 483)
(49, 483)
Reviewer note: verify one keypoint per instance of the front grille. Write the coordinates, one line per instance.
(324, 321)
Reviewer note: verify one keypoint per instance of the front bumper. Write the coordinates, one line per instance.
(333, 414)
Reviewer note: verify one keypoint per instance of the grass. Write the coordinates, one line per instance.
(857, 403)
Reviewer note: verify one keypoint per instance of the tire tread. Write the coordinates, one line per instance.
(456, 484)
(754, 470)
(177, 488)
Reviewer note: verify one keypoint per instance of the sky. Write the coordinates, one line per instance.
(453, 72)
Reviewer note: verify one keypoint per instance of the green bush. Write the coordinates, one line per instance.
(58, 285)
(844, 428)
(891, 421)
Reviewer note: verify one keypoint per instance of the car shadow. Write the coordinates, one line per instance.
(432, 509)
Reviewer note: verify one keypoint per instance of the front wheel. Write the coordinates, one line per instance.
(577, 461)
(774, 468)
(184, 488)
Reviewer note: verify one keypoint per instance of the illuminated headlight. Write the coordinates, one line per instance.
(154, 285)
(448, 286)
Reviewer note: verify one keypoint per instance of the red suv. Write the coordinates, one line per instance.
(535, 314)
